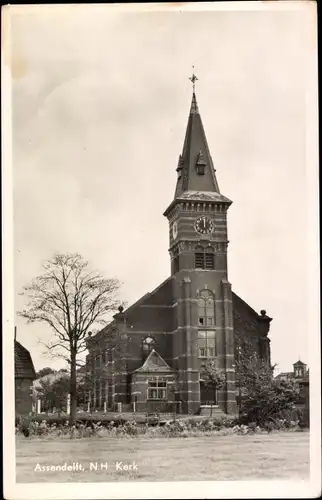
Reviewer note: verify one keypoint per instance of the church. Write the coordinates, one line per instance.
(151, 355)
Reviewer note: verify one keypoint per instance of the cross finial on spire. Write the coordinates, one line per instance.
(193, 79)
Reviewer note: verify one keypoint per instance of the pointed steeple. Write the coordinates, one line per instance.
(194, 105)
(196, 174)
(195, 168)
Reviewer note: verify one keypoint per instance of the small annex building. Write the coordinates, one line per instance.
(24, 377)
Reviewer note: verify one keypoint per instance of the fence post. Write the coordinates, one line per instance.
(68, 404)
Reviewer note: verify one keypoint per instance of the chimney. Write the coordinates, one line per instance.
(15, 333)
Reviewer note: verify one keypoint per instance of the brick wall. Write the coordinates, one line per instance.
(139, 389)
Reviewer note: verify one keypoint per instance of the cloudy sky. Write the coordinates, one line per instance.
(100, 101)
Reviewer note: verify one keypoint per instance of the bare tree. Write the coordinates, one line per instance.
(71, 299)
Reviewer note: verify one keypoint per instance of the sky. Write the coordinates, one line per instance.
(100, 102)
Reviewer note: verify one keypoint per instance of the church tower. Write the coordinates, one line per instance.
(203, 316)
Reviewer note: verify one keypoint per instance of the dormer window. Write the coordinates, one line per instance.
(180, 167)
(201, 164)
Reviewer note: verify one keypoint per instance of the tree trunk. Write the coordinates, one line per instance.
(212, 400)
(73, 388)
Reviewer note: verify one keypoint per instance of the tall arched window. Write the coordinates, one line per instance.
(206, 309)
(206, 324)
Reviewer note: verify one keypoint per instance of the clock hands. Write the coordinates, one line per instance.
(204, 225)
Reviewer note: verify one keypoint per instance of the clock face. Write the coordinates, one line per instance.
(204, 225)
(175, 230)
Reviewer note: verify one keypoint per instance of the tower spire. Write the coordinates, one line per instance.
(194, 105)
(196, 175)
(195, 168)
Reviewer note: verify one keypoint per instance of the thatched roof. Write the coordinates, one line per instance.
(24, 367)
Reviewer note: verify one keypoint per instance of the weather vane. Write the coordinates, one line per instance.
(193, 79)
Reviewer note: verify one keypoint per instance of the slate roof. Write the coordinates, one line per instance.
(195, 143)
(203, 196)
(154, 363)
(24, 367)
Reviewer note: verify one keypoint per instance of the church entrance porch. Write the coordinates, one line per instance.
(151, 385)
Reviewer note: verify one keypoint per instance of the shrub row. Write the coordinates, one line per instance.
(84, 418)
(175, 428)
(285, 418)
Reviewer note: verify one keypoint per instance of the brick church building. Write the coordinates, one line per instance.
(152, 353)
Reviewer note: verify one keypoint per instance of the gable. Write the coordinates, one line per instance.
(299, 363)
(154, 363)
(153, 312)
(162, 295)
(245, 320)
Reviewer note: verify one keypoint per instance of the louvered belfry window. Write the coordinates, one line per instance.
(204, 259)
(200, 260)
(209, 258)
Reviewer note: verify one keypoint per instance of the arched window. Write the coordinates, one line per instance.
(204, 258)
(148, 344)
(206, 344)
(206, 309)
(206, 325)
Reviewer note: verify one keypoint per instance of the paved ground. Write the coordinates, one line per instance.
(273, 456)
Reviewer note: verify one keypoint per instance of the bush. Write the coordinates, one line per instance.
(175, 428)
(265, 399)
(87, 420)
(303, 417)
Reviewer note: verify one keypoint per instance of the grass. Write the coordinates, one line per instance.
(280, 455)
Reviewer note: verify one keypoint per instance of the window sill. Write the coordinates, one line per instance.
(157, 399)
